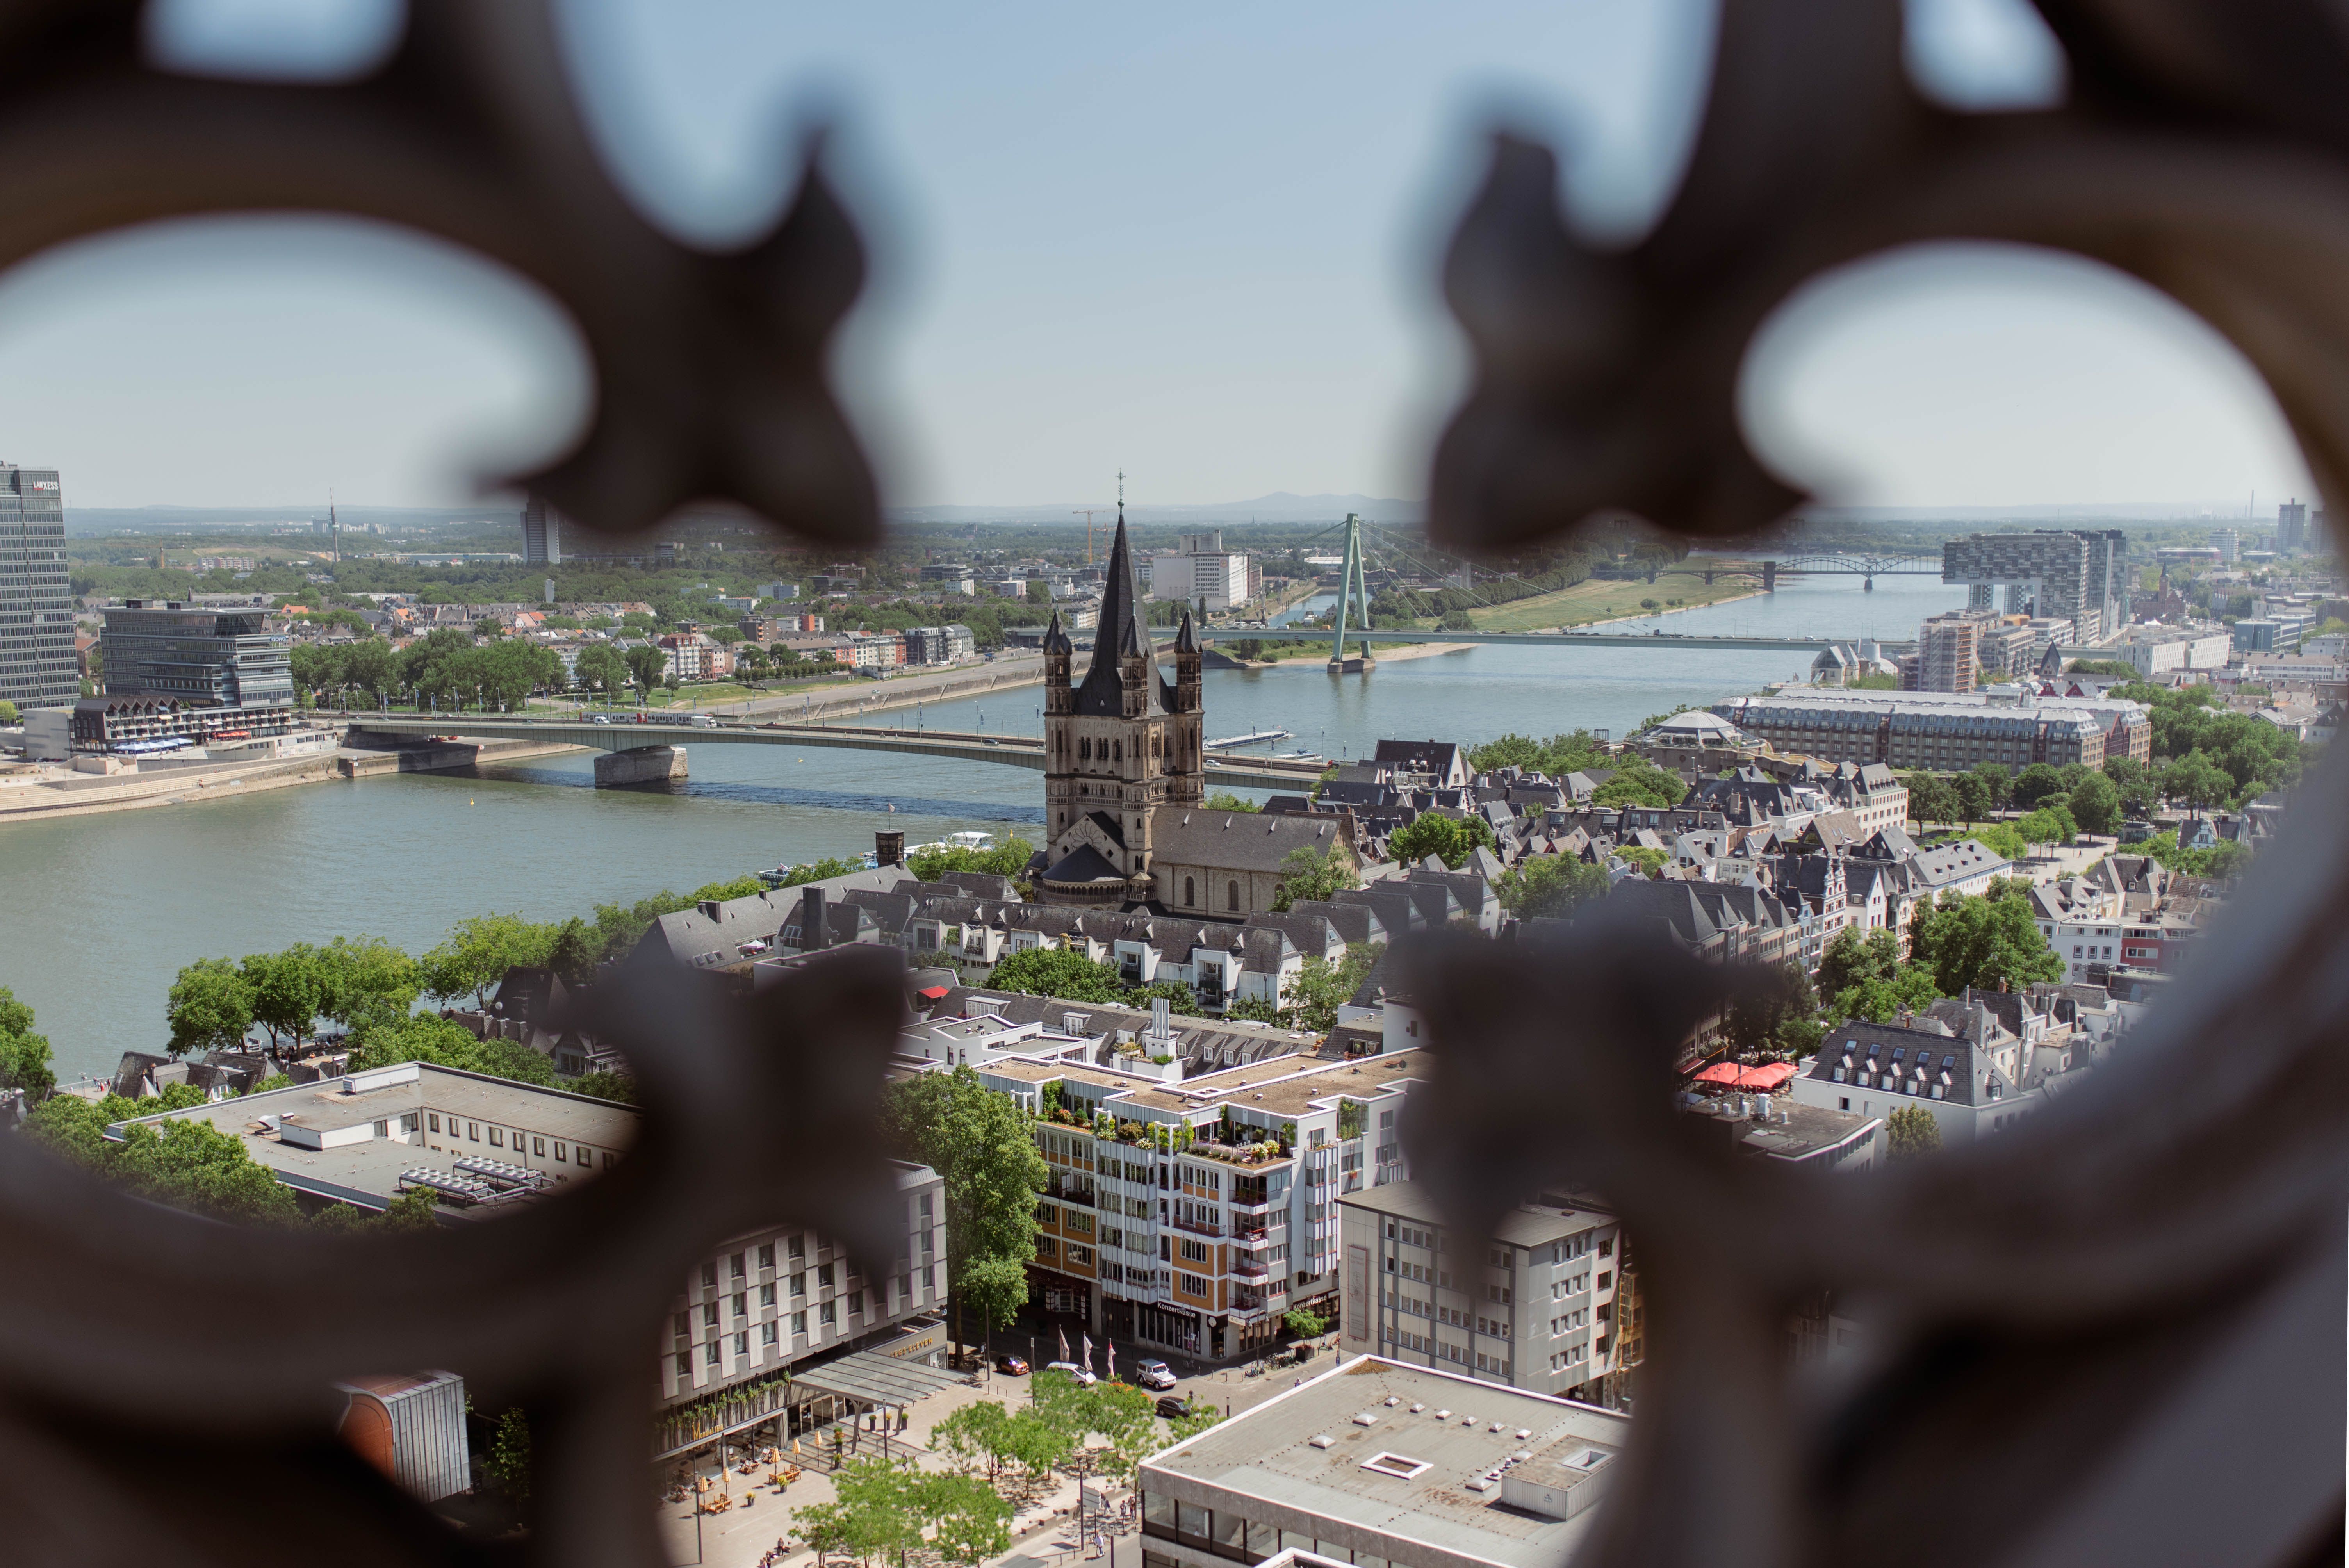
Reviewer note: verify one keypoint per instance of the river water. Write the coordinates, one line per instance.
(97, 913)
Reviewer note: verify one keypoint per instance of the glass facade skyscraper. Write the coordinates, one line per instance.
(36, 625)
(205, 658)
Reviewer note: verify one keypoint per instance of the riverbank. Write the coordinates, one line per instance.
(1598, 600)
(90, 795)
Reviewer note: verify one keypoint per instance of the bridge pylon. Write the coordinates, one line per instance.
(1352, 594)
(1769, 577)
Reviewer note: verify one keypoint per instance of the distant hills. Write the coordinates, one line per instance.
(1281, 506)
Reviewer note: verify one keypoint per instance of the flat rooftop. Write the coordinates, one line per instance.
(1435, 1438)
(1796, 1130)
(1287, 1086)
(1525, 1225)
(367, 1171)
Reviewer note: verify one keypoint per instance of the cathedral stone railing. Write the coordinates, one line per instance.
(2114, 1335)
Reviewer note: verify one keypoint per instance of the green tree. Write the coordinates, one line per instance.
(1864, 977)
(1642, 859)
(209, 1008)
(184, 1163)
(1224, 800)
(2135, 784)
(1007, 859)
(1911, 1133)
(980, 1142)
(1552, 885)
(1450, 839)
(1308, 874)
(508, 1462)
(1321, 988)
(477, 952)
(2197, 781)
(1969, 797)
(1123, 1415)
(1180, 999)
(8, 714)
(617, 1088)
(1980, 940)
(2095, 804)
(1304, 1323)
(2036, 783)
(600, 669)
(24, 1054)
(361, 976)
(385, 1041)
(1639, 782)
(1058, 972)
(287, 991)
(1776, 1017)
(647, 666)
(1997, 784)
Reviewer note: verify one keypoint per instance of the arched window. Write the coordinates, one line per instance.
(1190, 890)
(1232, 892)
(1085, 749)
(1117, 750)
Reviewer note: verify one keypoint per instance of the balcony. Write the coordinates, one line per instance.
(1198, 1227)
(1248, 1268)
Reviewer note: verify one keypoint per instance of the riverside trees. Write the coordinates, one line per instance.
(978, 1141)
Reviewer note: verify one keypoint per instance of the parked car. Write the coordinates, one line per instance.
(1084, 1378)
(1013, 1364)
(1174, 1407)
(1154, 1374)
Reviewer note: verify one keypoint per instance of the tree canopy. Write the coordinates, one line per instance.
(980, 1143)
(1308, 874)
(1058, 972)
(1980, 940)
(1552, 885)
(1451, 838)
(24, 1054)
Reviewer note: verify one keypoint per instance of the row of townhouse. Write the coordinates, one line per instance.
(1193, 1215)
(2125, 911)
(1977, 1063)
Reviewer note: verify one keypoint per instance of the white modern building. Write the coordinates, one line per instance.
(1200, 568)
(1375, 1464)
(1532, 1306)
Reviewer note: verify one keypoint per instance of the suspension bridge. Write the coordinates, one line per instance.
(1350, 617)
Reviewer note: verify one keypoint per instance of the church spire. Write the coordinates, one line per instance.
(1121, 634)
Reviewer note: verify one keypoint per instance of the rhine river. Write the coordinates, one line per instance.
(100, 911)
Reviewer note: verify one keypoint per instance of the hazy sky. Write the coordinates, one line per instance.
(1197, 244)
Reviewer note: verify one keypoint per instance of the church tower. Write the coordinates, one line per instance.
(1118, 745)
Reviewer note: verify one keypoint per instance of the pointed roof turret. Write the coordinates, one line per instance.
(1121, 632)
(1184, 643)
(1056, 641)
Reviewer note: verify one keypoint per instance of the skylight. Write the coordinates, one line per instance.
(1403, 1467)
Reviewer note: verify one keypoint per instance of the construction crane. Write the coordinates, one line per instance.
(1088, 515)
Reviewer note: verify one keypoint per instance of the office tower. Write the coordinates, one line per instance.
(36, 625)
(205, 658)
(2292, 525)
(2080, 576)
(542, 534)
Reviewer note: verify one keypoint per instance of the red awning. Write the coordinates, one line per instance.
(935, 992)
(1731, 1075)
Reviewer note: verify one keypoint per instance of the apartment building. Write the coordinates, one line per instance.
(1193, 1214)
(1532, 1306)
(1946, 732)
(2076, 575)
(1948, 651)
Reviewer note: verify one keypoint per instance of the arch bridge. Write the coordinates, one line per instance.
(650, 752)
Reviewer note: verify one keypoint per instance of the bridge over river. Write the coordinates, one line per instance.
(650, 753)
